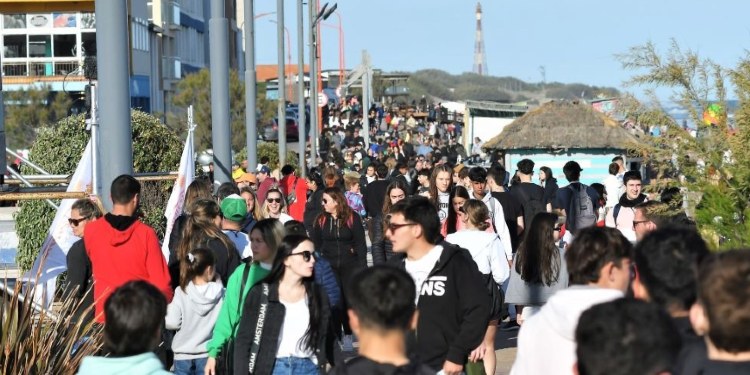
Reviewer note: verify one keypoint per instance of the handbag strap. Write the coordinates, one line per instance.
(255, 345)
(245, 272)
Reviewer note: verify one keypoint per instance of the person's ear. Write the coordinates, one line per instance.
(353, 321)
(575, 368)
(699, 320)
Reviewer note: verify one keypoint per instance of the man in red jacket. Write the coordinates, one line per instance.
(122, 248)
(297, 200)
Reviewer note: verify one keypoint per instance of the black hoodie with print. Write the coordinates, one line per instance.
(453, 308)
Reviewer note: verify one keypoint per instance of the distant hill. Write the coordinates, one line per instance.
(442, 86)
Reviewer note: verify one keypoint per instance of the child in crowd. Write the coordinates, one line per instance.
(194, 311)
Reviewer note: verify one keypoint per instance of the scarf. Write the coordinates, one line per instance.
(625, 202)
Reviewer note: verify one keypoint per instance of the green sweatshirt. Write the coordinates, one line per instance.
(229, 317)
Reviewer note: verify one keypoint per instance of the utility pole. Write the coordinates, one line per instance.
(281, 76)
(93, 126)
(302, 138)
(313, 13)
(114, 80)
(366, 97)
(222, 145)
(251, 89)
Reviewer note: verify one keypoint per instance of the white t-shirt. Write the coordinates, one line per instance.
(419, 269)
(444, 203)
(296, 320)
(241, 242)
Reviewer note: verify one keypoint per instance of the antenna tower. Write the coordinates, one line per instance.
(480, 59)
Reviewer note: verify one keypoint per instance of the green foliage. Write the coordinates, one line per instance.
(28, 110)
(271, 150)
(712, 165)
(58, 150)
(441, 85)
(38, 344)
(195, 89)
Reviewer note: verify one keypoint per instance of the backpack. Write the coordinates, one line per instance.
(583, 208)
(531, 206)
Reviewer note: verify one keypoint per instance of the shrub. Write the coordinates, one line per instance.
(271, 149)
(58, 150)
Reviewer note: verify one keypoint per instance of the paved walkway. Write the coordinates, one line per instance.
(505, 351)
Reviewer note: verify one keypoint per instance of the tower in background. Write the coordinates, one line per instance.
(480, 59)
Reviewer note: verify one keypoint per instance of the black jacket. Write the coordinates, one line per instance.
(80, 281)
(271, 334)
(449, 327)
(693, 355)
(342, 245)
(550, 190)
(374, 198)
(361, 365)
(313, 208)
(227, 259)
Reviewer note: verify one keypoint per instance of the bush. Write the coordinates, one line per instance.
(58, 150)
(271, 150)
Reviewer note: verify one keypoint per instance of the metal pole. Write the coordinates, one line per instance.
(27, 183)
(222, 144)
(366, 98)
(301, 88)
(313, 97)
(113, 74)
(250, 86)
(281, 84)
(26, 161)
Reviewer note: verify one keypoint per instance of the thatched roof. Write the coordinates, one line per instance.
(561, 125)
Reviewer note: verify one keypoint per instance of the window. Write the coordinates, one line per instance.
(63, 19)
(88, 44)
(40, 46)
(65, 45)
(88, 21)
(14, 21)
(15, 46)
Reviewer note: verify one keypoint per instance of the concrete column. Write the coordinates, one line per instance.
(218, 28)
(113, 73)
(281, 79)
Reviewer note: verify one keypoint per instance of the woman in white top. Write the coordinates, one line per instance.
(275, 206)
(291, 336)
(440, 191)
(487, 251)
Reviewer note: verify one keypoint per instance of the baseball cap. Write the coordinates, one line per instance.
(264, 169)
(234, 208)
(247, 177)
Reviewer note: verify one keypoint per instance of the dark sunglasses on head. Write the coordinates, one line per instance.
(75, 222)
(273, 200)
(306, 255)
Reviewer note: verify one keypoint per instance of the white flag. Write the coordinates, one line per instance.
(185, 176)
(51, 259)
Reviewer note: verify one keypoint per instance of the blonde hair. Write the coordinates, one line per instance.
(265, 210)
(256, 206)
(351, 179)
(478, 213)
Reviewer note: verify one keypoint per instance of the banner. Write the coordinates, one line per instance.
(51, 259)
(185, 176)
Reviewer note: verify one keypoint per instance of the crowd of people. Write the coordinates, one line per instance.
(413, 259)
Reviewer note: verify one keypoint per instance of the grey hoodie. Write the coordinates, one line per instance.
(193, 313)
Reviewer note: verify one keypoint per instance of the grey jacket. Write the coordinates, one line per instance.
(193, 313)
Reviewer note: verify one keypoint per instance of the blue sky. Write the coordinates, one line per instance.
(575, 40)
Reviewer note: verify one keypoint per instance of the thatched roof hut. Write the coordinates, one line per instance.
(562, 125)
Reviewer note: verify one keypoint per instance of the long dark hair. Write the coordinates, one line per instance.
(538, 259)
(433, 186)
(345, 213)
(196, 263)
(287, 246)
(460, 192)
(200, 230)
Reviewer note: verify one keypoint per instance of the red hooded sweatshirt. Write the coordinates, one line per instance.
(123, 249)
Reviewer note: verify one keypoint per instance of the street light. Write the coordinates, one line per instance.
(316, 15)
(342, 58)
(288, 59)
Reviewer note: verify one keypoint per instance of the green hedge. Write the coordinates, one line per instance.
(270, 149)
(58, 149)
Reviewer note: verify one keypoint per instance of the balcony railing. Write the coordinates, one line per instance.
(42, 68)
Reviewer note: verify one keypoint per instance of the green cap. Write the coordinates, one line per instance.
(234, 208)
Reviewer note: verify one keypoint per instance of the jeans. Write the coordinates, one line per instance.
(190, 366)
(294, 366)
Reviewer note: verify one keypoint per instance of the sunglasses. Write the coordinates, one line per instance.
(394, 227)
(273, 200)
(75, 222)
(306, 255)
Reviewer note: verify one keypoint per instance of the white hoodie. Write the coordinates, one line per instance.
(487, 251)
(193, 313)
(546, 341)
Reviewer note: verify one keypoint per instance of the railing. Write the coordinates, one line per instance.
(41, 68)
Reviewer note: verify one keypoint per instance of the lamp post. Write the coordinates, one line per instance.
(316, 15)
(342, 64)
(302, 129)
(288, 48)
(281, 73)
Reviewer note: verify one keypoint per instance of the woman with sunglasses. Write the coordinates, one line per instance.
(383, 250)
(203, 230)
(292, 338)
(539, 268)
(487, 251)
(265, 238)
(82, 212)
(275, 206)
(339, 236)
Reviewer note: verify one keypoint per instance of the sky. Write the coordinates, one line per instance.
(574, 40)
